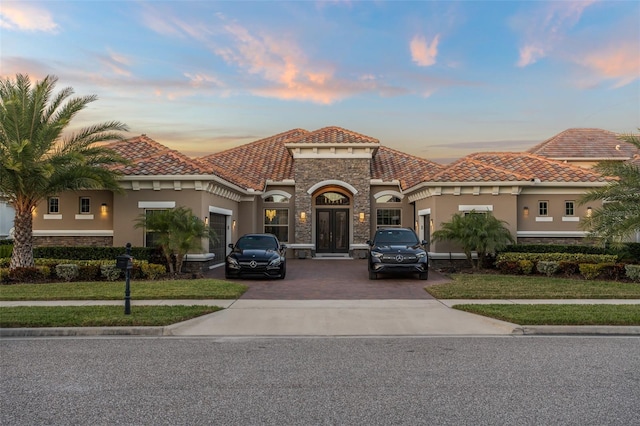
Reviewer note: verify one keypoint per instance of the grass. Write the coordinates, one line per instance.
(140, 290)
(559, 314)
(98, 316)
(490, 286)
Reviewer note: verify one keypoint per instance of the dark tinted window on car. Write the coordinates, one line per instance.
(390, 236)
(257, 242)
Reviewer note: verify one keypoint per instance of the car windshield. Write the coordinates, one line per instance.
(257, 242)
(396, 236)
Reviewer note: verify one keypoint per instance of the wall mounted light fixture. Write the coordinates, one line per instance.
(361, 217)
(206, 220)
(525, 212)
(233, 225)
(103, 208)
(303, 217)
(589, 211)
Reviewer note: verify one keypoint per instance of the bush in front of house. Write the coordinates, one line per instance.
(153, 271)
(526, 266)
(633, 272)
(547, 267)
(67, 271)
(110, 272)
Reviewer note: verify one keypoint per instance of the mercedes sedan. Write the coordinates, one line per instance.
(397, 250)
(256, 255)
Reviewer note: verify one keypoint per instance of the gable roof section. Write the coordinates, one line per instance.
(514, 166)
(149, 157)
(334, 135)
(585, 144)
(389, 165)
(252, 164)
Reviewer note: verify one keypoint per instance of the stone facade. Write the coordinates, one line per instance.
(353, 171)
(60, 241)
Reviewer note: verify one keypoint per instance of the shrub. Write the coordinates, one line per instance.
(568, 268)
(6, 250)
(558, 257)
(590, 271)
(110, 272)
(509, 267)
(27, 275)
(612, 271)
(526, 266)
(633, 272)
(89, 272)
(547, 267)
(4, 275)
(153, 271)
(67, 271)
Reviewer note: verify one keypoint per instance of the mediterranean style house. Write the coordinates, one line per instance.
(324, 192)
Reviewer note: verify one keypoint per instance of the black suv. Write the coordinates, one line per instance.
(259, 255)
(397, 250)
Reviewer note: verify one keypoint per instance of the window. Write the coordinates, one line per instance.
(276, 198)
(85, 205)
(569, 209)
(53, 205)
(543, 208)
(332, 199)
(151, 238)
(388, 217)
(388, 199)
(276, 222)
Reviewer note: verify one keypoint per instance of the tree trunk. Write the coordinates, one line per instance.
(22, 256)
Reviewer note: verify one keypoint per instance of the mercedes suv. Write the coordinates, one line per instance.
(397, 250)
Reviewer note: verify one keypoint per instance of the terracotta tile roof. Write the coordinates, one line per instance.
(514, 166)
(335, 134)
(252, 164)
(593, 144)
(389, 164)
(148, 157)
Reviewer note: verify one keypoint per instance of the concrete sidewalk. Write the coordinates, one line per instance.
(265, 318)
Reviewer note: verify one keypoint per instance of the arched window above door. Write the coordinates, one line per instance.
(332, 198)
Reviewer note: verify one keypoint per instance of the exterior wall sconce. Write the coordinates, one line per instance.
(303, 217)
(361, 217)
(525, 212)
(431, 224)
(206, 220)
(589, 211)
(103, 208)
(233, 225)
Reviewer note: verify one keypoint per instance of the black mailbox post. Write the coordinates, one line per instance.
(125, 262)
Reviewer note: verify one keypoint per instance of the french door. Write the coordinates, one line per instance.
(332, 231)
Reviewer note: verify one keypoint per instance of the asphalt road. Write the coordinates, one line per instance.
(314, 381)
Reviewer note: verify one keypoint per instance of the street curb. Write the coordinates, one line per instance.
(82, 331)
(577, 330)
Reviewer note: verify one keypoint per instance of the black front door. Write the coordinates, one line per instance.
(332, 231)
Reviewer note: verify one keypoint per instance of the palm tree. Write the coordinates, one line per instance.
(178, 231)
(479, 232)
(38, 161)
(619, 217)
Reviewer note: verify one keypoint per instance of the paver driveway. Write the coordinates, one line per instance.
(333, 279)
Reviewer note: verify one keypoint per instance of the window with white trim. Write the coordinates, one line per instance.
(276, 222)
(151, 238)
(53, 205)
(543, 208)
(85, 205)
(569, 208)
(276, 198)
(389, 198)
(388, 217)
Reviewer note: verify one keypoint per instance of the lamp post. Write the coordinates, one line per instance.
(125, 262)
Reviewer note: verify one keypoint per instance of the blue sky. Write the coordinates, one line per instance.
(437, 79)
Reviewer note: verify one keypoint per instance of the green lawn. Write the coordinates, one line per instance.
(140, 290)
(559, 314)
(492, 286)
(98, 316)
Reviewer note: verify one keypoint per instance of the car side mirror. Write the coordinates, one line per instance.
(369, 242)
(231, 246)
(283, 247)
(425, 243)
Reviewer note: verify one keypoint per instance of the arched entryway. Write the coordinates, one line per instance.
(332, 220)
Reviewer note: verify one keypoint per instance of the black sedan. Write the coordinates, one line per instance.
(257, 255)
(397, 250)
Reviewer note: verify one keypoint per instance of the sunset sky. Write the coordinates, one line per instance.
(437, 79)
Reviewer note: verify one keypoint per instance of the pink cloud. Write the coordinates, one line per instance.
(619, 62)
(26, 17)
(424, 53)
(529, 55)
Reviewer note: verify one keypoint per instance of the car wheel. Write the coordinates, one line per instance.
(373, 275)
(283, 272)
(424, 275)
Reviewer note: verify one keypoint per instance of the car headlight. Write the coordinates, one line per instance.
(275, 262)
(376, 254)
(232, 261)
(421, 255)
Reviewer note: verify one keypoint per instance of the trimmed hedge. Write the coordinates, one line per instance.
(93, 253)
(556, 257)
(627, 251)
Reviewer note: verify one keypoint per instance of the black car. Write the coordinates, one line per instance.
(258, 255)
(397, 250)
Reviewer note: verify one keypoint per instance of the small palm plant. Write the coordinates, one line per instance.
(178, 231)
(479, 232)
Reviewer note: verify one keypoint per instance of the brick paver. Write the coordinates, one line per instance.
(344, 279)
